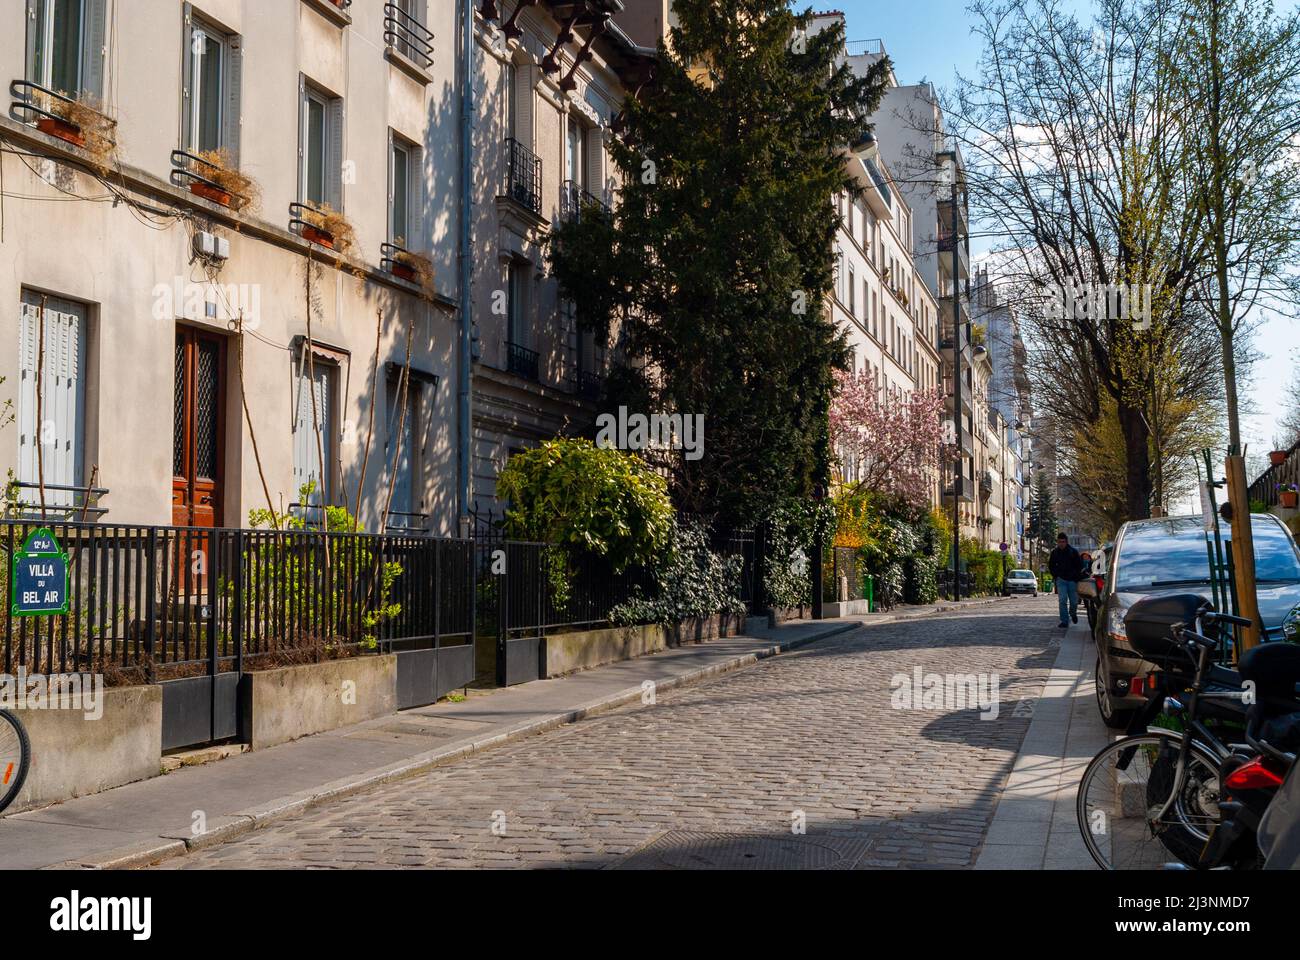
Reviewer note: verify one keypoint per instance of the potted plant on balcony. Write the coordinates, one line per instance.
(415, 268)
(329, 228)
(233, 189)
(1288, 495)
(81, 124)
(1277, 457)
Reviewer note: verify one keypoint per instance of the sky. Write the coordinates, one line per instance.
(932, 40)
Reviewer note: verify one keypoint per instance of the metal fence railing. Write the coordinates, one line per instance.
(1269, 485)
(150, 601)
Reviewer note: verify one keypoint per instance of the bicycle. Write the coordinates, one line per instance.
(15, 757)
(1164, 785)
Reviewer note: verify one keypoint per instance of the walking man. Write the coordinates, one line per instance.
(1065, 565)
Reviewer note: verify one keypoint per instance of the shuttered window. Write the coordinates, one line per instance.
(320, 147)
(313, 411)
(212, 84)
(402, 458)
(405, 194)
(59, 425)
(65, 46)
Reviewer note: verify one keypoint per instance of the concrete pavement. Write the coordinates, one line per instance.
(1035, 825)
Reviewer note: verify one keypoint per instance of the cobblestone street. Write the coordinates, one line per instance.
(806, 737)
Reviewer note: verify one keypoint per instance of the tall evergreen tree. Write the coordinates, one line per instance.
(713, 271)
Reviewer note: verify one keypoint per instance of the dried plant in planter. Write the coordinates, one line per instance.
(417, 268)
(331, 229)
(91, 129)
(241, 191)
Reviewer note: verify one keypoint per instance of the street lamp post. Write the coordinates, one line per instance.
(948, 161)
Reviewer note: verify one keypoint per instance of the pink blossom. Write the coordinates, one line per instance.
(890, 445)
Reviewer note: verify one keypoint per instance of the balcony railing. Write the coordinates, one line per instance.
(576, 202)
(408, 36)
(588, 385)
(199, 176)
(522, 362)
(62, 501)
(1266, 487)
(61, 116)
(523, 176)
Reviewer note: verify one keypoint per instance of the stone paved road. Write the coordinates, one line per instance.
(810, 731)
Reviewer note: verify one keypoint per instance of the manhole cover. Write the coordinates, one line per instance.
(690, 850)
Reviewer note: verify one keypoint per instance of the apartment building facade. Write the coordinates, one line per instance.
(880, 301)
(202, 356)
(552, 77)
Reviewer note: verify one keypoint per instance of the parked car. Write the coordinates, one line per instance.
(1021, 581)
(1169, 555)
(1090, 590)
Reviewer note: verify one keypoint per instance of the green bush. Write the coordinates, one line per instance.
(690, 580)
(588, 499)
(792, 532)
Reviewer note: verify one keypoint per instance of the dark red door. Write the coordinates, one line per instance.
(198, 426)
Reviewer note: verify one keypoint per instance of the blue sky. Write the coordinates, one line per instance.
(932, 40)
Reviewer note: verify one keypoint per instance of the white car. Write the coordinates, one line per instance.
(1021, 581)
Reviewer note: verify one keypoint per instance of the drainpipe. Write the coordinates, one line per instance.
(466, 365)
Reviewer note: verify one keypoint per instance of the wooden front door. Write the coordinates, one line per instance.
(198, 426)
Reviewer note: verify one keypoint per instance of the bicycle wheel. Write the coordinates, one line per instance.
(15, 756)
(1122, 792)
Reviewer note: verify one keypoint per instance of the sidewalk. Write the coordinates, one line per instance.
(154, 819)
(1035, 826)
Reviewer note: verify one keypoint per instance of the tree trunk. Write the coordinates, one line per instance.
(1137, 436)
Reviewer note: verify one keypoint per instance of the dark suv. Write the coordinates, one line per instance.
(1169, 556)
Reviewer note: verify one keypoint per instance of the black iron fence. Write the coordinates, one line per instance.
(150, 602)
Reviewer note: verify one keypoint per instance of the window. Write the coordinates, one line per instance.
(517, 324)
(405, 194)
(403, 455)
(320, 148)
(65, 46)
(314, 427)
(59, 425)
(213, 64)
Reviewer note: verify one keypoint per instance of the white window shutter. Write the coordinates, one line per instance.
(187, 77)
(94, 50)
(523, 104)
(415, 201)
(334, 153)
(33, 32)
(595, 172)
(233, 118)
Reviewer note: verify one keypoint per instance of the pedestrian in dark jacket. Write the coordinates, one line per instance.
(1066, 567)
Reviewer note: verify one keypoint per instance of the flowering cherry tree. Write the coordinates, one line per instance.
(891, 445)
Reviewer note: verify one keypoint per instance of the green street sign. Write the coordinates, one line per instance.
(38, 586)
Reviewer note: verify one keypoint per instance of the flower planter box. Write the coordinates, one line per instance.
(319, 236)
(62, 129)
(1277, 457)
(215, 194)
(1289, 498)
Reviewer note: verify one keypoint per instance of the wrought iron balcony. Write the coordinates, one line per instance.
(523, 176)
(53, 113)
(61, 501)
(588, 385)
(522, 362)
(575, 202)
(408, 36)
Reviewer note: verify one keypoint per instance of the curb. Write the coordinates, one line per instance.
(243, 822)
